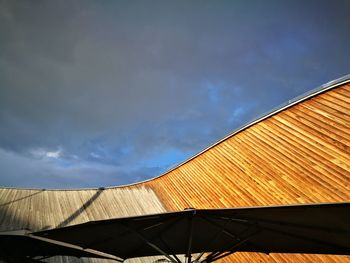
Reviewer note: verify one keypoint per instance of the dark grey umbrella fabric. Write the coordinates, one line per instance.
(316, 229)
(22, 246)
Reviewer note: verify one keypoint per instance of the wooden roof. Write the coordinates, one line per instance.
(297, 155)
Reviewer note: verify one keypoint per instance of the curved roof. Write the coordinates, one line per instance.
(313, 92)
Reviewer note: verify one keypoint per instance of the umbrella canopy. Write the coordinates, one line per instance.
(215, 233)
(22, 246)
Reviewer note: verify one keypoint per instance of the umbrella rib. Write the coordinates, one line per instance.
(262, 226)
(319, 242)
(167, 246)
(234, 236)
(72, 246)
(223, 230)
(216, 236)
(172, 222)
(149, 243)
(225, 254)
(241, 221)
(308, 227)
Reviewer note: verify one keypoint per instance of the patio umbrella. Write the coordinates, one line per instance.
(215, 233)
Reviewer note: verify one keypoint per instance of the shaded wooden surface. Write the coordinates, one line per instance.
(300, 155)
(44, 209)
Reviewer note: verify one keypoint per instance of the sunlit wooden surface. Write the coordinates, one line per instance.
(300, 155)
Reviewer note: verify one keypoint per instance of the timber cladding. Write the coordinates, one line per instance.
(299, 155)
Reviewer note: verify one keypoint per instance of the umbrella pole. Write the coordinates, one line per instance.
(188, 255)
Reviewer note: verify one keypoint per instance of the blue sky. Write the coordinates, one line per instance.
(103, 93)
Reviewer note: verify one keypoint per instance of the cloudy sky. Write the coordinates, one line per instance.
(102, 93)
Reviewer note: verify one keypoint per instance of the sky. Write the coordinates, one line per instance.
(106, 93)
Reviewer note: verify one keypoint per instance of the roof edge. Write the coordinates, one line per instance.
(305, 96)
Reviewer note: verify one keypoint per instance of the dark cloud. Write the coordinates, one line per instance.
(112, 85)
